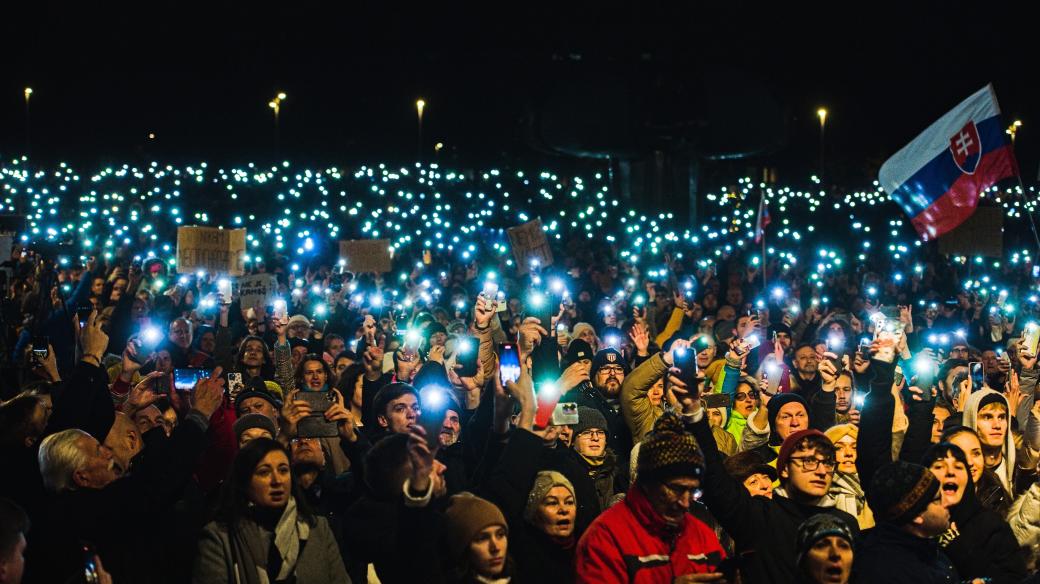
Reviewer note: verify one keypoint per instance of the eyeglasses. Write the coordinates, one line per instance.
(678, 491)
(616, 370)
(812, 463)
(594, 433)
(753, 394)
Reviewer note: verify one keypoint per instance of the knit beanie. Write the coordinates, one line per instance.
(791, 444)
(544, 482)
(669, 451)
(724, 330)
(773, 409)
(900, 491)
(577, 350)
(836, 433)
(465, 516)
(254, 421)
(580, 328)
(589, 418)
(816, 528)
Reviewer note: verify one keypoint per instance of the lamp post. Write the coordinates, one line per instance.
(276, 106)
(28, 126)
(1013, 129)
(822, 114)
(420, 105)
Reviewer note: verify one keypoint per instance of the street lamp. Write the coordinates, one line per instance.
(1013, 129)
(276, 105)
(822, 114)
(420, 105)
(28, 142)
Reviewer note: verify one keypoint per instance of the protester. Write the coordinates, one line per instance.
(264, 531)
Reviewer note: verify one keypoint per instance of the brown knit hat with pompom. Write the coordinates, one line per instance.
(669, 451)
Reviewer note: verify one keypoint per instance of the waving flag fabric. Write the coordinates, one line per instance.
(937, 179)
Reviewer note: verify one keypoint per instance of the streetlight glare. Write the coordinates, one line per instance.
(28, 92)
(822, 114)
(281, 95)
(419, 105)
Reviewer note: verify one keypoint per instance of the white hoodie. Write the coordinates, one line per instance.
(1005, 471)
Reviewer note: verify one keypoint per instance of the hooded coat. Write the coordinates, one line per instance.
(1005, 471)
(979, 542)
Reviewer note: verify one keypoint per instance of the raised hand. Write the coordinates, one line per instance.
(209, 393)
(338, 413)
(294, 410)
(640, 338)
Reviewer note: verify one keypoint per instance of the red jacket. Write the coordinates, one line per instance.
(631, 543)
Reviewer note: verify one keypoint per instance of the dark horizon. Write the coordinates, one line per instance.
(200, 80)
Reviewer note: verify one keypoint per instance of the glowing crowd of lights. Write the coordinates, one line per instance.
(301, 212)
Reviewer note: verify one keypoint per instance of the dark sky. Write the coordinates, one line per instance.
(200, 76)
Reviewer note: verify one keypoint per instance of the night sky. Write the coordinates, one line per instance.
(200, 77)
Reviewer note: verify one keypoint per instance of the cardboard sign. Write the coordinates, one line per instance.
(981, 234)
(529, 243)
(218, 251)
(367, 255)
(260, 289)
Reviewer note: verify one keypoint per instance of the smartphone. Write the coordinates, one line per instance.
(467, 350)
(686, 361)
(83, 311)
(752, 341)
(186, 379)
(235, 385)
(315, 425)
(40, 347)
(858, 400)
(547, 396)
(433, 400)
(702, 344)
(898, 377)
(224, 289)
(716, 400)
(281, 310)
(977, 374)
(836, 345)
(565, 414)
(146, 343)
(508, 362)
(90, 567)
(1031, 336)
(541, 304)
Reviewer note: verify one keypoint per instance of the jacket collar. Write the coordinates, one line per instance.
(646, 516)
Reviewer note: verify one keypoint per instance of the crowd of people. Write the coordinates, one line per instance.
(722, 421)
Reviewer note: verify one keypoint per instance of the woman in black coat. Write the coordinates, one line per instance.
(979, 541)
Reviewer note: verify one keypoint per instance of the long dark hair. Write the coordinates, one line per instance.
(266, 368)
(234, 495)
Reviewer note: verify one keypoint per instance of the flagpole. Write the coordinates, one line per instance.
(1029, 213)
(761, 209)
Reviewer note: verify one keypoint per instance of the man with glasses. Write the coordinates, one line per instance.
(764, 529)
(608, 372)
(651, 536)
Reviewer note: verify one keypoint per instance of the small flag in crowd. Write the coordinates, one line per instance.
(938, 177)
(762, 220)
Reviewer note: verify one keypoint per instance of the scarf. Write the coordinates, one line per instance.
(847, 493)
(248, 546)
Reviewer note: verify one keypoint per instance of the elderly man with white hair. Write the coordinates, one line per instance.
(92, 502)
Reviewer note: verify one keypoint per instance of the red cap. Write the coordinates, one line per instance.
(787, 448)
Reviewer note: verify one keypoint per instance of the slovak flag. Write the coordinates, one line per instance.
(937, 179)
(762, 220)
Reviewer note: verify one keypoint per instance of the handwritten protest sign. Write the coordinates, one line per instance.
(208, 248)
(367, 255)
(529, 244)
(259, 289)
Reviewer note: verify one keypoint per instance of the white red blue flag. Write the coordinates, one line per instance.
(762, 220)
(938, 177)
